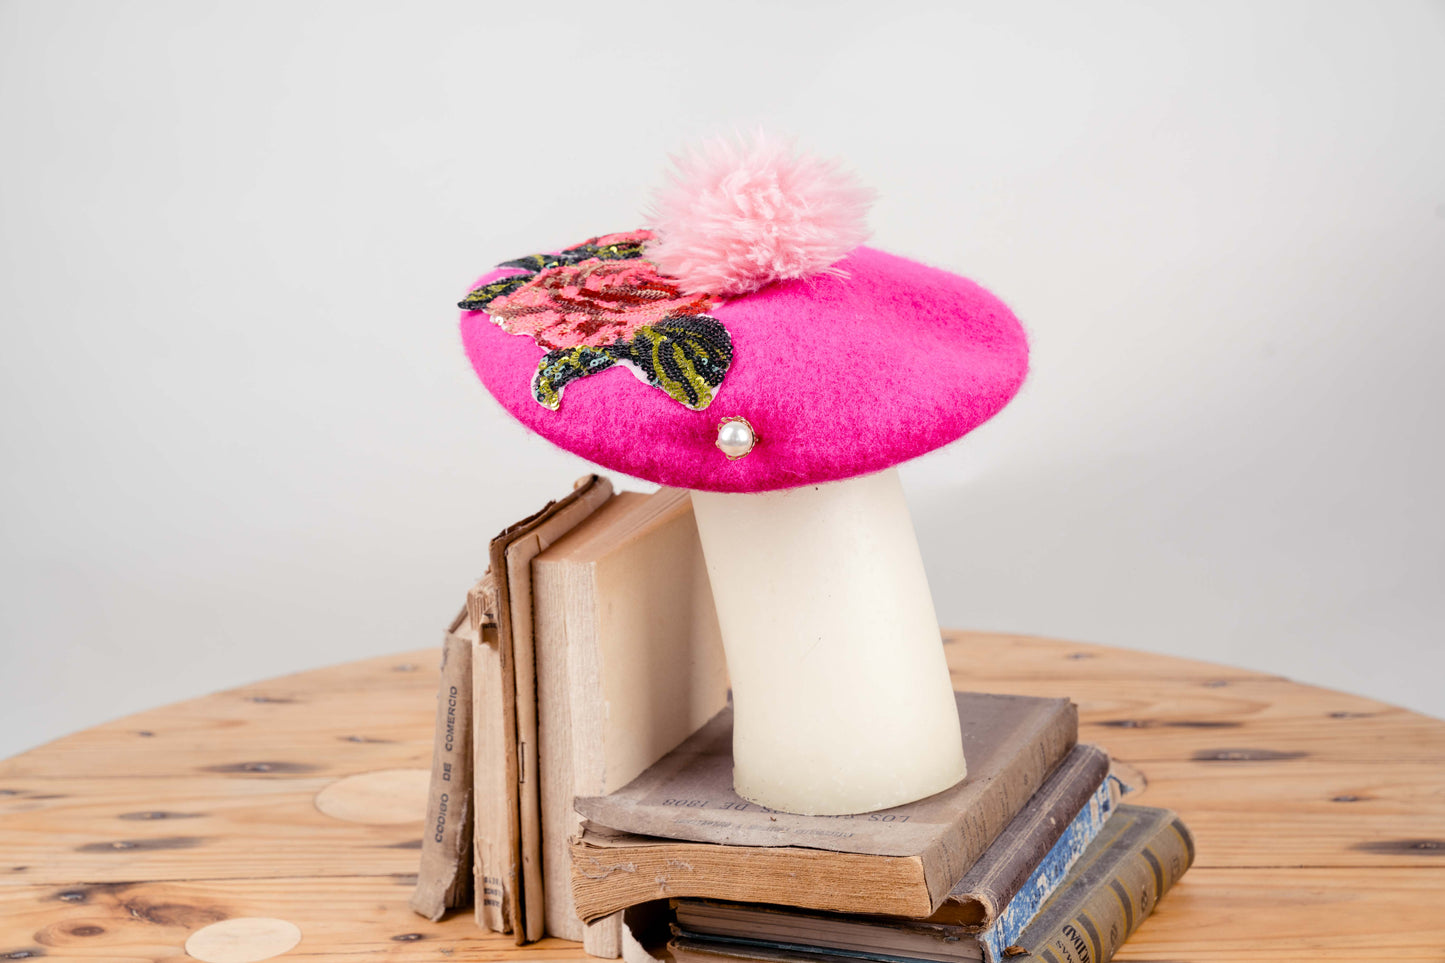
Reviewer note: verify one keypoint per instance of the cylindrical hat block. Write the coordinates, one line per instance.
(841, 696)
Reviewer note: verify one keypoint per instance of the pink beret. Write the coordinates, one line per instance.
(840, 373)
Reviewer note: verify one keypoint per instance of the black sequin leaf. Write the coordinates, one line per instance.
(616, 251)
(561, 367)
(685, 355)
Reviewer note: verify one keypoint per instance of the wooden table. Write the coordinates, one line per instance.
(1319, 816)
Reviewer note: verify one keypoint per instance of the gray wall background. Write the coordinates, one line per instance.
(240, 437)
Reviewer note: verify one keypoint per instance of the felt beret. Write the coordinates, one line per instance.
(749, 368)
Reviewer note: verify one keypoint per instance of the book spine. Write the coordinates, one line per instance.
(607, 878)
(1050, 872)
(515, 605)
(554, 749)
(444, 879)
(495, 873)
(1036, 753)
(1007, 865)
(1117, 900)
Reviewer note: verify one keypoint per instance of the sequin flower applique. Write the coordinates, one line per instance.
(602, 303)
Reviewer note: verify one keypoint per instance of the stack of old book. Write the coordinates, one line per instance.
(1031, 854)
(588, 785)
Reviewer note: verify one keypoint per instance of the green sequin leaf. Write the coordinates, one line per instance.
(685, 356)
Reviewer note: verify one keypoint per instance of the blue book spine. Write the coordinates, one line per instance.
(1047, 876)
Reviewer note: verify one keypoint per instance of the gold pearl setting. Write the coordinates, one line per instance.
(736, 437)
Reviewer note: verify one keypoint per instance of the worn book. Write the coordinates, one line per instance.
(495, 888)
(577, 678)
(1121, 877)
(509, 840)
(679, 830)
(444, 880)
(935, 938)
(1029, 858)
(1137, 856)
(629, 663)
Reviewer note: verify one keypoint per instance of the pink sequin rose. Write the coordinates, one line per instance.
(593, 303)
(600, 303)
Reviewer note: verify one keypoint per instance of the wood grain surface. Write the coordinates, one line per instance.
(1319, 816)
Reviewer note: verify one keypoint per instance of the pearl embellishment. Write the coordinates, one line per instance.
(735, 437)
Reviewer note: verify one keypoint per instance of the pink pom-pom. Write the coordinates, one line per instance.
(737, 214)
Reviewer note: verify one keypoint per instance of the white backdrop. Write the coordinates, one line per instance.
(241, 439)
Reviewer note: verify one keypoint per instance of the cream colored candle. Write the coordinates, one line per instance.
(841, 692)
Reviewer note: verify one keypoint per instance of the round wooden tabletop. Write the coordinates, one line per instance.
(284, 818)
